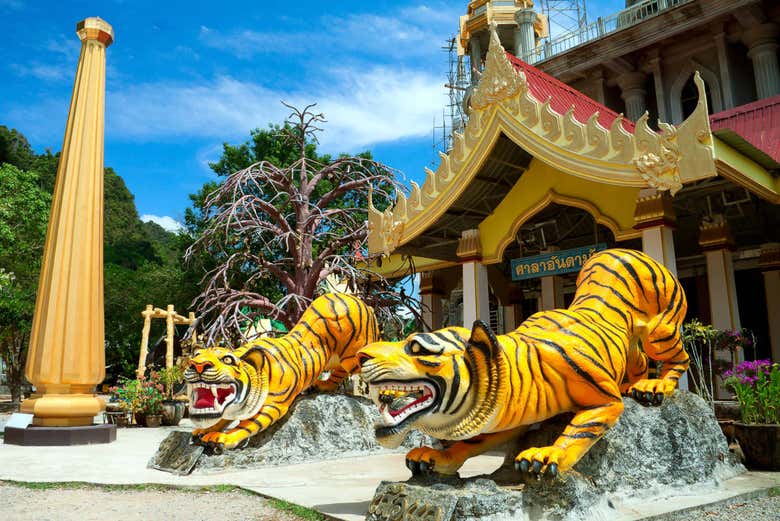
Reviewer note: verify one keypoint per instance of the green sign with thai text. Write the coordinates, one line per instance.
(553, 263)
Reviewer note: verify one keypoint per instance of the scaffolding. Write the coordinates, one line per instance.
(563, 16)
(454, 114)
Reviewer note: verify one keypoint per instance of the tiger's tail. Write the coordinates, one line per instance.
(648, 298)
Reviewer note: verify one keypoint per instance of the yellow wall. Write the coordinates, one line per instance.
(540, 185)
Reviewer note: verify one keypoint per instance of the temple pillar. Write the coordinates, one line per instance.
(475, 51)
(761, 41)
(552, 290)
(476, 291)
(716, 243)
(632, 90)
(513, 310)
(660, 91)
(525, 41)
(724, 68)
(654, 216)
(430, 297)
(770, 266)
(66, 359)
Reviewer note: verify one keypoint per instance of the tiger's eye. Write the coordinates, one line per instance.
(415, 348)
(228, 360)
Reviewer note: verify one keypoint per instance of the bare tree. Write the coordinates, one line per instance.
(284, 230)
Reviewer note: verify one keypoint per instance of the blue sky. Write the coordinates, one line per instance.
(183, 77)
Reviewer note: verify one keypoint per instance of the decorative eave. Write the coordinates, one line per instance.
(503, 103)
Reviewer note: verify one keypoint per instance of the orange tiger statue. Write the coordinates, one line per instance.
(257, 382)
(481, 391)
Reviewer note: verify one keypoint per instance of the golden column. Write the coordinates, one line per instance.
(66, 359)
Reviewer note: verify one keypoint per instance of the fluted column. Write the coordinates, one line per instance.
(632, 90)
(66, 359)
(525, 42)
(476, 58)
(762, 51)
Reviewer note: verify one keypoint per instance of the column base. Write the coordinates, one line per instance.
(35, 436)
(63, 410)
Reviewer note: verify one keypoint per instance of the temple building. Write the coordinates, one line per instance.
(657, 128)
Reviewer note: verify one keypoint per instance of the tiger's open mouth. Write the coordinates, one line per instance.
(400, 402)
(210, 399)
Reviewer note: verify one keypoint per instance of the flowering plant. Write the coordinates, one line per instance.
(169, 377)
(140, 395)
(734, 341)
(757, 385)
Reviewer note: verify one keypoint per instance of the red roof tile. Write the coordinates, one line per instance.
(562, 97)
(758, 123)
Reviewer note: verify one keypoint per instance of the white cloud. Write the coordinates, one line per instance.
(363, 108)
(409, 32)
(168, 223)
(43, 71)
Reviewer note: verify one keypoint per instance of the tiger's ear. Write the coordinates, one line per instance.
(483, 339)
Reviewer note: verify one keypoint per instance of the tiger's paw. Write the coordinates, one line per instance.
(424, 460)
(651, 391)
(217, 442)
(541, 462)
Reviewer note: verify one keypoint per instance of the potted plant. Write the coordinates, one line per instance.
(151, 402)
(128, 396)
(172, 410)
(757, 386)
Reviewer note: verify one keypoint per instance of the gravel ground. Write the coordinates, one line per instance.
(759, 509)
(94, 503)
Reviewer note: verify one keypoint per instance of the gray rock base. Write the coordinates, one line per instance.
(317, 427)
(651, 451)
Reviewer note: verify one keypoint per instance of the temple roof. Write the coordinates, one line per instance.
(753, 129)
(562, 97)
(519, 117)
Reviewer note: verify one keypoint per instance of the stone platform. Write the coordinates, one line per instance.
(59, 436)
(318, 427)
(652, 452)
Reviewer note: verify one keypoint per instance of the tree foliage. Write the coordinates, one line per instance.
(142, 261)
(24, 210)
(282, 223)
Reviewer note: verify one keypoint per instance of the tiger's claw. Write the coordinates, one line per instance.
(539, 463)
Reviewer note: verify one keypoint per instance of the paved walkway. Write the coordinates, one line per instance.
(341, 488)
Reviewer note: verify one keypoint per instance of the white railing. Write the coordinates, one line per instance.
(601, 27)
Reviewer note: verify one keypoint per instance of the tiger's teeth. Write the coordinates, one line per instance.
(214, 391)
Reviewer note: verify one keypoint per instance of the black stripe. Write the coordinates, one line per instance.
(466, 392)
(348, 315)
(584, 374)
(581, 435)
(630, 269)
(444, 338)
(615, 273)
(600, 299)
(455, 387)
(325, 324)
(652, 271)
(336, 314)
(588, 425)
(619, 295)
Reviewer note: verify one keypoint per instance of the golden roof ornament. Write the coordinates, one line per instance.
(499, 79)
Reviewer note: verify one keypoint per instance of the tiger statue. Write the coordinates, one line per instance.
(257, 382)
(482, 391)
